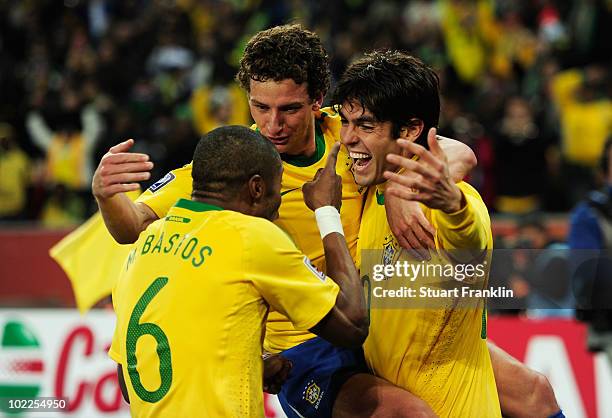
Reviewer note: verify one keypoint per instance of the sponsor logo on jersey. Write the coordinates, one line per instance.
(162, 182)
(312, 268)
(179, 219)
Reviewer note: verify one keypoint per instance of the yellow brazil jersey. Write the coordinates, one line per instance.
(294, 216)
(439, 353)
(191, 304)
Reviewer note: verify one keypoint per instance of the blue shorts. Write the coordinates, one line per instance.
(319, 371)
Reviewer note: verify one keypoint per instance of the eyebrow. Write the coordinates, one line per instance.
(361, 119)
(285, 106)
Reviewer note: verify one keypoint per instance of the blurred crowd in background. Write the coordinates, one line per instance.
(526, 84)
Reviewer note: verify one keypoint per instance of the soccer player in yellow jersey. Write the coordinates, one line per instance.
(439, 355)
(285, 72)
(193, 296)
(436, 354)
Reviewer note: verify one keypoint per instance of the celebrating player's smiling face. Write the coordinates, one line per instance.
(368, 142)
(283, 112)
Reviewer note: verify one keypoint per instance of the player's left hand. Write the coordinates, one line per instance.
(426, 180)
(276, 371)
(410, 226)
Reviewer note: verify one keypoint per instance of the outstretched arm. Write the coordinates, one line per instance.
(406, 219)
(461, 158)
(427, 180)
(119, 172)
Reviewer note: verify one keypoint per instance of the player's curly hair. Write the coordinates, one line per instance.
(395, 87)
(286, 52)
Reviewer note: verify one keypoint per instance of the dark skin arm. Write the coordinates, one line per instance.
(347, 322)
(124, 390)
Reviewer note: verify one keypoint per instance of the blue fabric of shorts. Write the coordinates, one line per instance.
(319, 371)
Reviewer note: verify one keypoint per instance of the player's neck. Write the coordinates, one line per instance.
(310, 147)
(217, 199)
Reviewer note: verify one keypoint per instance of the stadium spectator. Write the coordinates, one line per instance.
(218, 105)
(590, 237)
(69, 145)
(485, 52)
(14, 176)
(519, 158)
(585, 112)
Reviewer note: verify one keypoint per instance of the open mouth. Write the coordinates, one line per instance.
(360, 160)
(280, 140)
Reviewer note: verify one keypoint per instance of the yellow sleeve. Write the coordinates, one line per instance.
(469, 228)
(162, 195)
(285, 278)
(564, 85)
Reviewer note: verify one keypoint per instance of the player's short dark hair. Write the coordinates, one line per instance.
(286, 52)
(395, 87)
(227, 157)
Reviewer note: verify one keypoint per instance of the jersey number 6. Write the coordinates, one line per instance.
(134, 332)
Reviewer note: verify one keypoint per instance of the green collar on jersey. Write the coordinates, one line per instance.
(380, 198)
(194, 206)
(303, 161)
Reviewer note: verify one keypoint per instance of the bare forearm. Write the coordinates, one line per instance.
(124, 219)
(342, 270)
(461, 158)
(347, 322)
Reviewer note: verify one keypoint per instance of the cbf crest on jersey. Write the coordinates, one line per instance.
(162, 182)
(390, 252)
(312, 394)
(390, 247)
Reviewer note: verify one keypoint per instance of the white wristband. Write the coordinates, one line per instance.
(328, 220)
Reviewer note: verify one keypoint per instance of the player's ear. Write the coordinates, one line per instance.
(257, 188)
(412, 130)
(317, 103)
